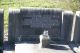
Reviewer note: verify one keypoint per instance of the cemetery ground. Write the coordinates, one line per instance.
(31, 3)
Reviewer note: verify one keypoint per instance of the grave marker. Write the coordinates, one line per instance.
(26, 24)
(67, 21)
(77, 28)
(1, 29)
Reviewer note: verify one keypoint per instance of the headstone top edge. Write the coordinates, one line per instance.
(78, 13)
(68, 12)
(14, 10)
(40, 8)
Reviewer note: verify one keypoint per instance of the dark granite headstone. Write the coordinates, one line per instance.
(13, 21)
(26, 24)
(35, 21)
(77, 28)
(67, 21)
(1, 29)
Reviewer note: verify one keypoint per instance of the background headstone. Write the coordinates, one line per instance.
(1, 28)
(77, 28)
(67, 21)
(12, 30)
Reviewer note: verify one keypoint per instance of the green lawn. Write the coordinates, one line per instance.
(6, 4)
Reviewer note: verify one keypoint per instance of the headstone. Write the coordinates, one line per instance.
(1, 29)
(77, 28)
(12, 30)
(26, 24)
(36, 20)
(67, 21)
